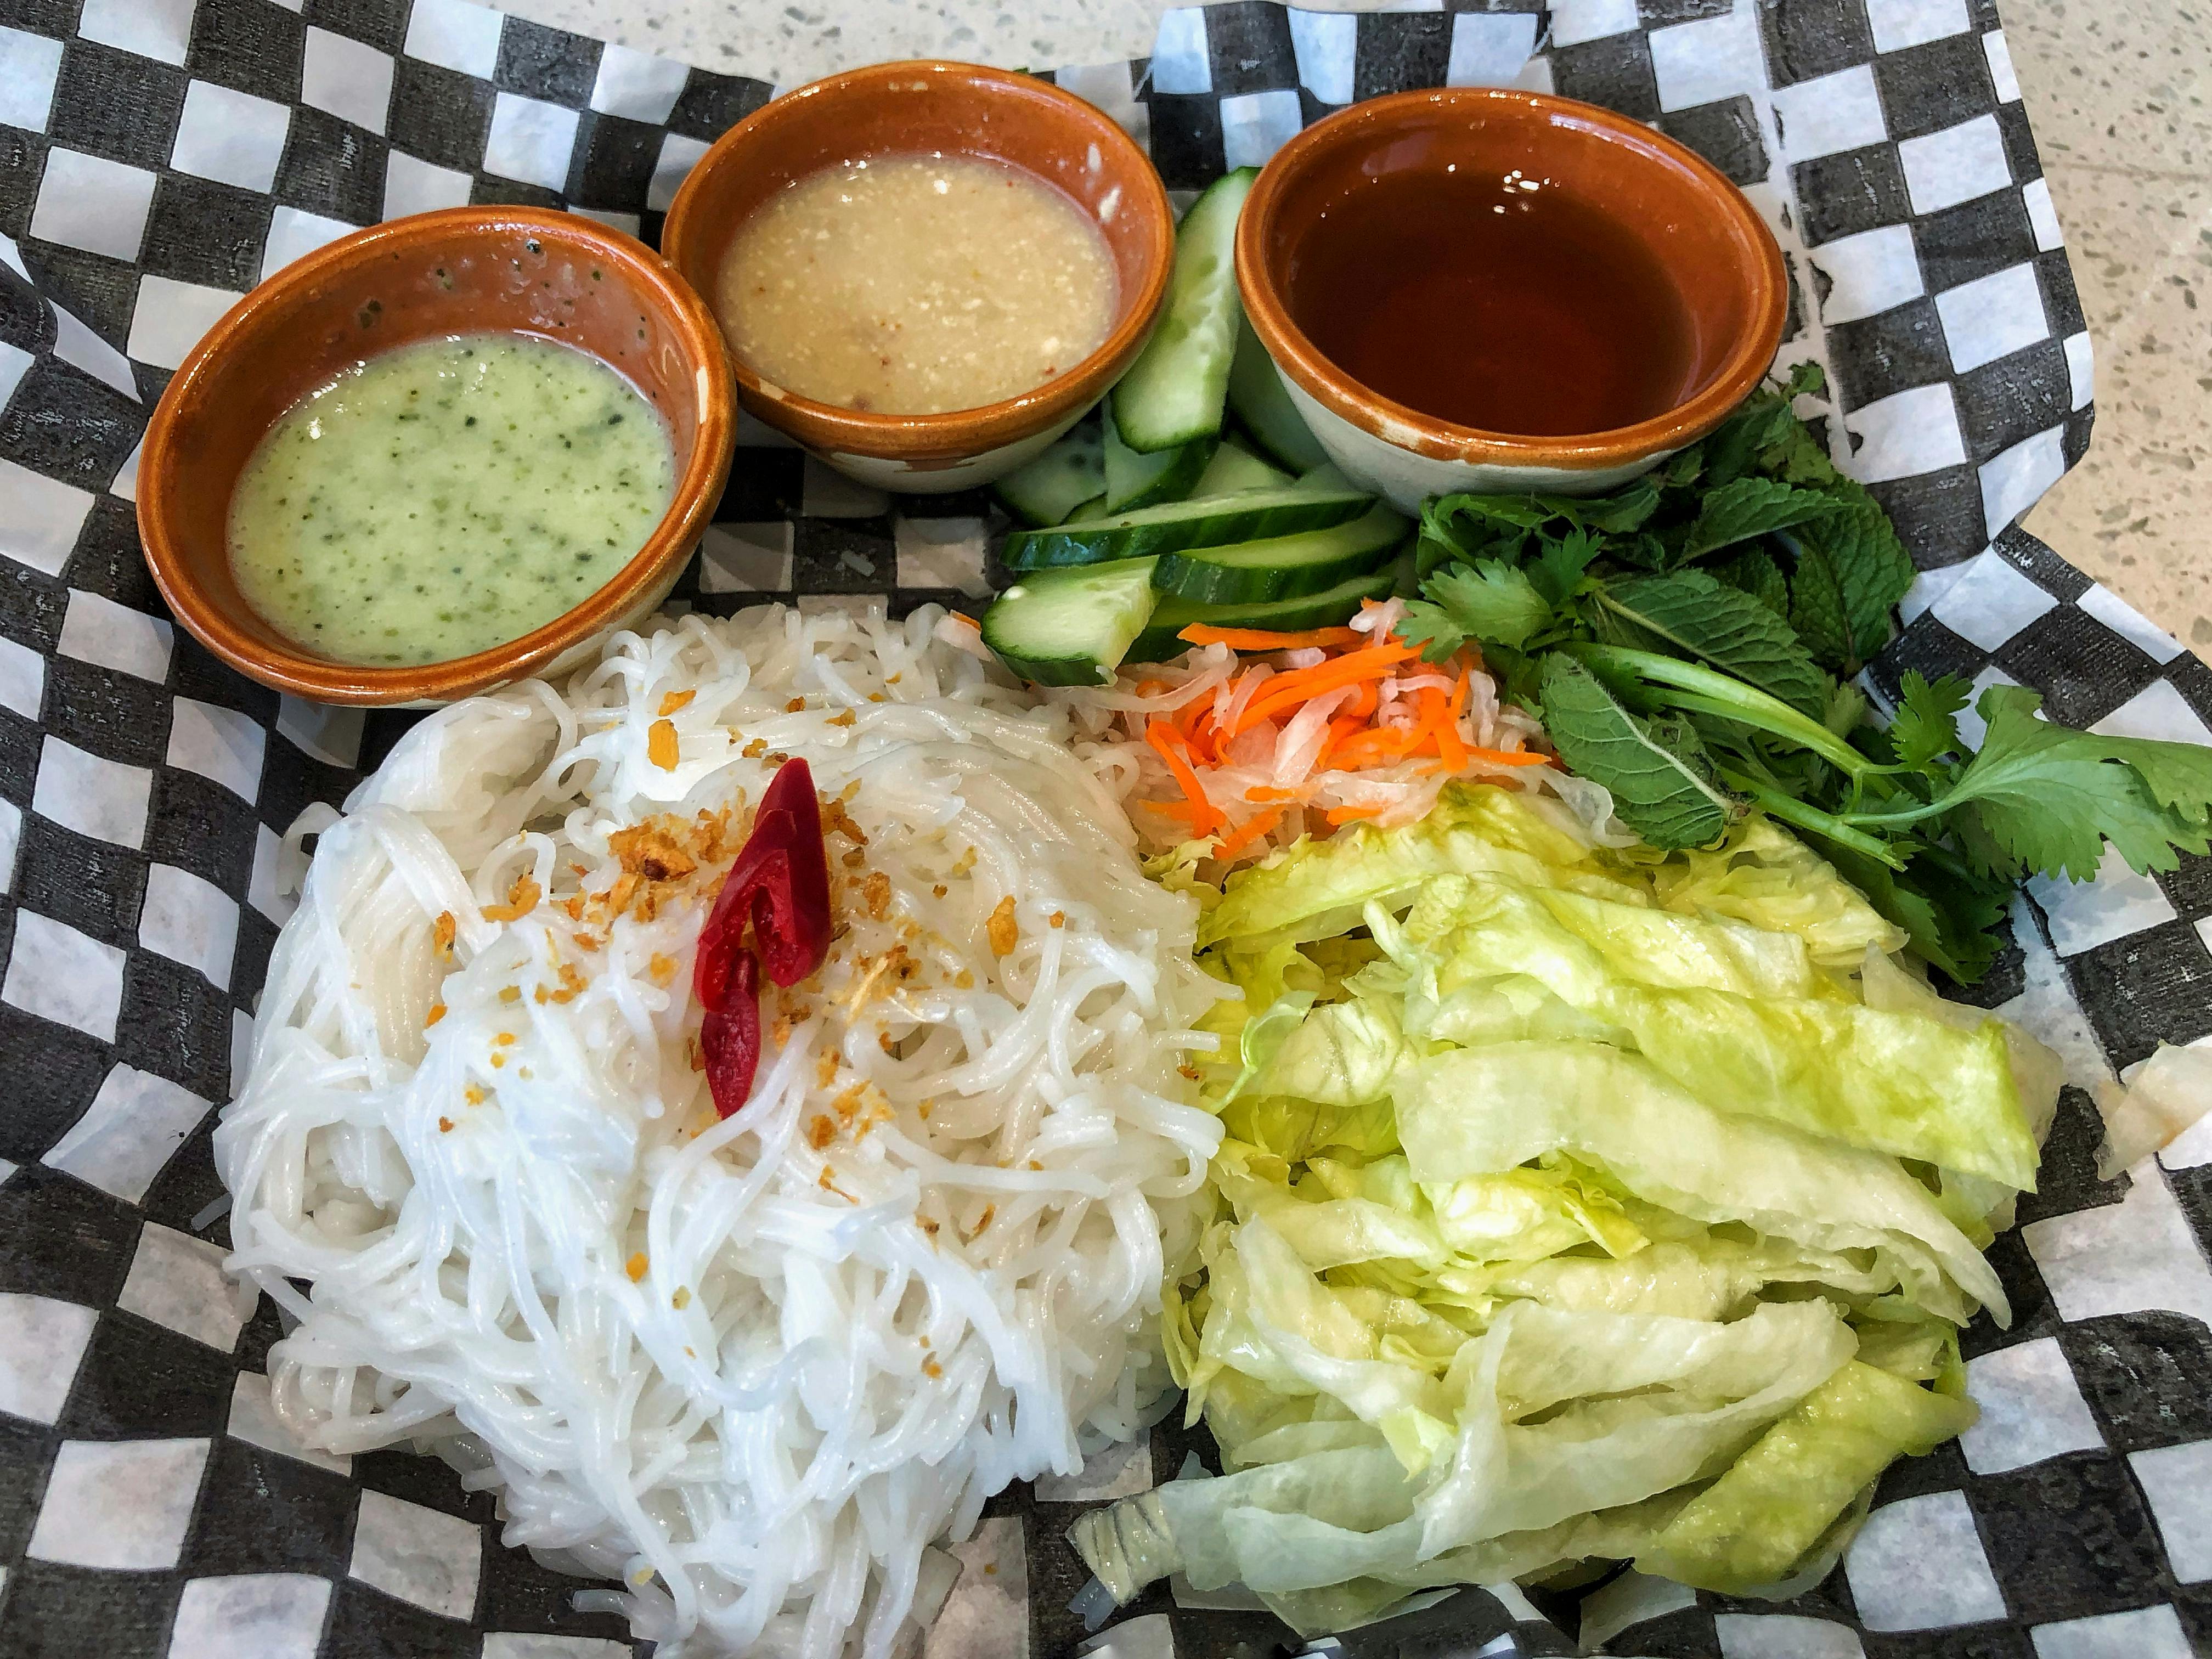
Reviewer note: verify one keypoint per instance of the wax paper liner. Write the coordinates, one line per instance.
(157, 157)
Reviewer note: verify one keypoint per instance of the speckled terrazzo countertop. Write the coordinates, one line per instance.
(2115, 90)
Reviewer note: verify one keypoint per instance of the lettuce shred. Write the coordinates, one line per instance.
(1575, 1203)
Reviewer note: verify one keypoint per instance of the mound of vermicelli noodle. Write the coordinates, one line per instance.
(751, 1367)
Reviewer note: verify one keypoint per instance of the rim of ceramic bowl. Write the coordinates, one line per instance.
(694, 244)
(1745, 364)
(663, 554)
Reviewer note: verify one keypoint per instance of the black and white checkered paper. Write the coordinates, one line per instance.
(158, 157)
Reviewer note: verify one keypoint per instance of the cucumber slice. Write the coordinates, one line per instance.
(1047, 489)
(1135, 480)
(1284, 567)
(1234, 468)
(1161, 641)
(1093, 508)
(1206, 521)
(1256, 393)
(1173, 393)
(1071, 627)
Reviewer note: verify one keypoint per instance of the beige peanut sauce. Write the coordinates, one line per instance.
(916, 285)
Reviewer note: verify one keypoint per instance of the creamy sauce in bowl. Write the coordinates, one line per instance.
(916, 285)
(447, 497)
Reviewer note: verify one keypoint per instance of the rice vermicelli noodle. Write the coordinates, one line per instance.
(753, 1366)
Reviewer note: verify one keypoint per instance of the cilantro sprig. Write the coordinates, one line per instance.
(1690, 639)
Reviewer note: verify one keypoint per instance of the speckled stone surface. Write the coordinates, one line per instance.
(2115, 90)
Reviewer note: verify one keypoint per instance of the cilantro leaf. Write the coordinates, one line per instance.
(1948, 912)
(1756, 574)
(1430, 628)
(1489, 601)
(1926, 727)
(1807, 380)
(1697, 615)
(1750, 507)
(1558, 570)
(1655, 769)
(2047, 798)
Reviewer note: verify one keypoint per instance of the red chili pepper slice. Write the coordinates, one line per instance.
(780, 885)
(729, 1038)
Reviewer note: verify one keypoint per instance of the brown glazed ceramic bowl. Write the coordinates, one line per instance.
(459, 270)
(1701, 230)
(927, 108)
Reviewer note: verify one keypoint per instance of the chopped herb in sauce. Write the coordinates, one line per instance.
(447, 497)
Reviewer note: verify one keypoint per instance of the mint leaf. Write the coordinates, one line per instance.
(1871, 567)
(1926, 727)
(1558, 570)
(1756, 574)
(1655, 770)
(1724, 627)
(1816, 612)
(1764, 419)
(1489, 601)
(1627, 508)
(1738, 511)
(1486, 515)
(2047, 798)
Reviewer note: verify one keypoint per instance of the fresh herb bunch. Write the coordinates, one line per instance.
(1689, 641)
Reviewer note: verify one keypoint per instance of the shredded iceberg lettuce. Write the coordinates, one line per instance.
(1575, 1203)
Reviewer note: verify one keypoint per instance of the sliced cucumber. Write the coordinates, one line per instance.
(1173, 393)
(1206, 521)
(1071, 627)
(1161, 639)
(1093, 508)
(1234, 468)
(1135, 480)
(1047, 489)
(1256, 393)
(1284, 567)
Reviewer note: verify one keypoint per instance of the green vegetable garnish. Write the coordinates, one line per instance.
(1575, 1204)
(1688, 642)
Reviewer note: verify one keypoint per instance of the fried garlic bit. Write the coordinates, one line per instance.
(1005, 932)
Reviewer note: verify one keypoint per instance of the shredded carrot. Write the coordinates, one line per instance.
(1303, 685)
(1260, 792)
(1202, 735)
(1248, 832)
(1260, 639)
(1380, 745)
(1348, 814)
(1503, 758)
(1343, 727)
(1174, 748)
(1450, 744)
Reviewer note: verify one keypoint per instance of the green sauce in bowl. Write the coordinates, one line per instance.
(447, 497)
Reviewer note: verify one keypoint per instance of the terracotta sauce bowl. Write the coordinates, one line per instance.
(459, 270)
(929, 108)
(1701, 231)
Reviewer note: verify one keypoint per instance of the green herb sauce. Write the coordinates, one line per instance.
(447, 497)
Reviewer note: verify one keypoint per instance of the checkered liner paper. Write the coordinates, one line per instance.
(157, 157)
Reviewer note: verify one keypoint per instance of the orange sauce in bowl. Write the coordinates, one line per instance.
(1505, 305)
